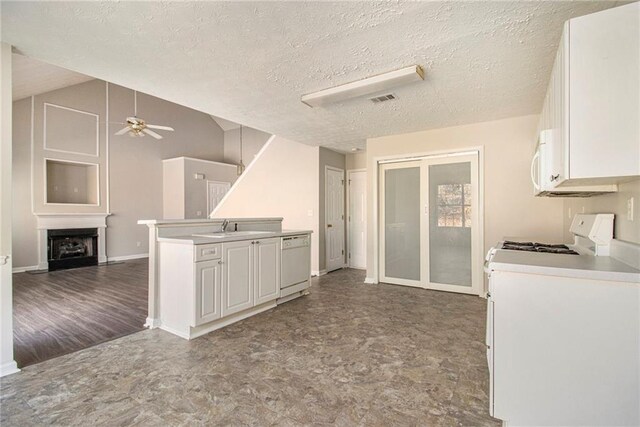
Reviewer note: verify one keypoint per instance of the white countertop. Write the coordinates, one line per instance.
(199, 240)
(578, 266)
(204, 221)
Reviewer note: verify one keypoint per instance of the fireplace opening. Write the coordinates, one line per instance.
(72, 247)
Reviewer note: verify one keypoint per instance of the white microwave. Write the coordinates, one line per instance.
(541, 176)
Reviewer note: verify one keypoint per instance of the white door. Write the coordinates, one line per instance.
(357, 219)
(237, 277)
(429, 224)
(216, 190)
(208, 288)
(334, 218)
(7, 364)
(266, 271)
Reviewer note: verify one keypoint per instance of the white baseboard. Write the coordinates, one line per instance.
(23, 269)
(318, 273)
(9, 368)
(152, 323)
(370, 281)
(127, 257)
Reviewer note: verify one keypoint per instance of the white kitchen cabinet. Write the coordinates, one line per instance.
(266, 270)
(237, 281)
(592, 103)
(251, 274)
(208, 278)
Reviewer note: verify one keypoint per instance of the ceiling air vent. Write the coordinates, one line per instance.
(382, 98)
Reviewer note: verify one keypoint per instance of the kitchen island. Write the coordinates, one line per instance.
(206, 274)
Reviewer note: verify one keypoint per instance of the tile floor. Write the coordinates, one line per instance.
(348, 354)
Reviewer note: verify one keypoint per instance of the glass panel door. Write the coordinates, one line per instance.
(400, 231)
(452, 223)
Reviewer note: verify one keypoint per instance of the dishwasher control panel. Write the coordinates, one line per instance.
(295, 242)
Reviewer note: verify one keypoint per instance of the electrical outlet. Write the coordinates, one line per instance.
(75, 189)
(138, 244)
(310, 212)
(569, 213)
(630, 209)
(583, 209)
(198, 213)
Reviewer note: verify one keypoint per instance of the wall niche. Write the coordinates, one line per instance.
(71, 183)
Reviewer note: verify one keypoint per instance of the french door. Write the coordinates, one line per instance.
(429, 223)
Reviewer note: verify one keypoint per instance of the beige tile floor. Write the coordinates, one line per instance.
(348, 354)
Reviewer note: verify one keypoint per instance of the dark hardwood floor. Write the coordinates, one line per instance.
(65, 311)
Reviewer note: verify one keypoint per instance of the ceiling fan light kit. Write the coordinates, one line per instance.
(138, 127)
(368, 86)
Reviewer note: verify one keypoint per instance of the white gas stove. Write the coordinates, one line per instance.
(563, 329)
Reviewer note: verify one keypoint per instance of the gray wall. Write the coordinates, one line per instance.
(134, 164)
(337, 160)
(252, 141)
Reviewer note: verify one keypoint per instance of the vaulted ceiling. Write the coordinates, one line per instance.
(249, 62)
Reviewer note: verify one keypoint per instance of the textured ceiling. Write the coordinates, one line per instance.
(249, 62)
(32, 77)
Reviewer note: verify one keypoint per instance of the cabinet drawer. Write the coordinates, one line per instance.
(207, 252)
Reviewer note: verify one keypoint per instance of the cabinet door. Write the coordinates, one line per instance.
(555, 170)
(237, 277)
(207, 292)
(266, 270)
(604, 69)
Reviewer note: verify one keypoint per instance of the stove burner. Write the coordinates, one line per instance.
(538, 247)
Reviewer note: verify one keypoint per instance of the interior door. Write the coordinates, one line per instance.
(450, 186)
(334, 218)
(216, 190)
(7, 364)
(357, 219)
(400, 218)
(429, 223)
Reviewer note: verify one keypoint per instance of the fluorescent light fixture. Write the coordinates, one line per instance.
(367, 86)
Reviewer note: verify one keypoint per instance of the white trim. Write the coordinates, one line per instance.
(9, 368)
(327, 168)
(318, 273)
(348, 221)
(24, 269)
(33, 110)
(44, 130)
(173, 331)
(152, 323)
(241, 177)
(370, 281)
(211, 162)
(107, 149)
(127, 257)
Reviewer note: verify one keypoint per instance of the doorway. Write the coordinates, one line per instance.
(429, 223)
(357, 218)
(334, 218)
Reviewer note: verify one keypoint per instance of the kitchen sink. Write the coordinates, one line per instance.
(221, 235)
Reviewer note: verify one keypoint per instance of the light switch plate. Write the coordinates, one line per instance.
(630, 209)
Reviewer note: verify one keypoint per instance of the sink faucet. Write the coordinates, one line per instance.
(225, 224)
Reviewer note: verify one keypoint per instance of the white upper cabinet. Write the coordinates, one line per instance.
(592, 103)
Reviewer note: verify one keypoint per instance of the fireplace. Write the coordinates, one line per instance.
(72, 247)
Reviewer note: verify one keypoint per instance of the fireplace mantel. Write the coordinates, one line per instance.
(57, 221)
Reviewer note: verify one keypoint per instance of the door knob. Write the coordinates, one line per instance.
(329, 225)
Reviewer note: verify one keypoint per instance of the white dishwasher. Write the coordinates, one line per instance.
(296, 266)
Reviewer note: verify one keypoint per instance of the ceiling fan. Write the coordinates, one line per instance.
(138, 127)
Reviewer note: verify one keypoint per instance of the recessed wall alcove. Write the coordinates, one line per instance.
(71, 183)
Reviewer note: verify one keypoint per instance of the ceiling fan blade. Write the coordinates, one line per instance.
(152, 133)
(160, 127)
(123, 131)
